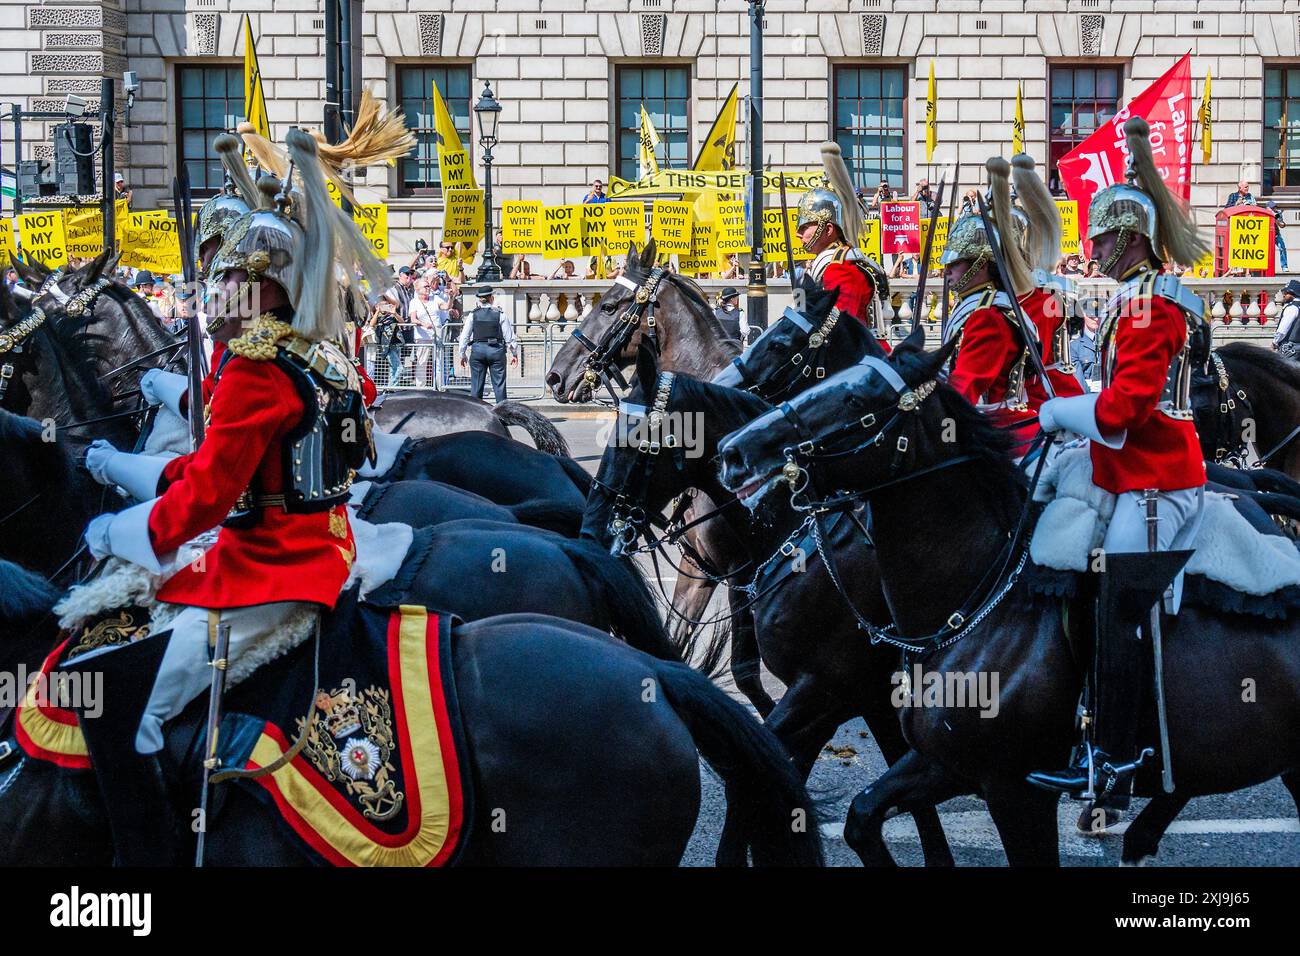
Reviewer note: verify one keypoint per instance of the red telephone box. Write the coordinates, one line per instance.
(1222, 226)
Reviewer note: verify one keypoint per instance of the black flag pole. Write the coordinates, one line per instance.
(785, 224)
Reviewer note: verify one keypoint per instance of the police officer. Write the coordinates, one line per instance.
(484, 339)
(1287, 339)
(730, 317)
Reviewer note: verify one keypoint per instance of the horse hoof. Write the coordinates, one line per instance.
(1140, 861)
(1095, 821)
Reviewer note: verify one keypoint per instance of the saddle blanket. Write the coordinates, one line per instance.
(361, 752)
(1228, 550)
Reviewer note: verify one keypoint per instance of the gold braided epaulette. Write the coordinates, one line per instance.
(261, 342)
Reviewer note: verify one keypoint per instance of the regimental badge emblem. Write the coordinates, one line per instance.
(351, 742)
(124, 627)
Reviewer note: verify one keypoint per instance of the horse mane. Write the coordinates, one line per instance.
(24, 594)
(738, 402)
(1264, 362)
(990, 446)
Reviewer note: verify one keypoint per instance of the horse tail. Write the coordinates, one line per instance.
(576, 473)
(548, 513)
(633, 614)
(769, 802)
(545, 435)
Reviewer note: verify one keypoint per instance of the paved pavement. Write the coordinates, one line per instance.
(1254, 827)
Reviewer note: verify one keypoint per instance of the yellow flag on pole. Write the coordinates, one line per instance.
(454, 167)
(931, 117)
(254, 99)
(719, 151)
(1206, 117)
(648, 165)
(1018, 126)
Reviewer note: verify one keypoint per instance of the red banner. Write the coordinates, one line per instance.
(1102, 159)
(900, 227)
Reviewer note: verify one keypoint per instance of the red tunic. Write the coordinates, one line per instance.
(284, 556)
(856, 292)
(368, 390)
(1160, 452)
(1044, 309)
(990, 346)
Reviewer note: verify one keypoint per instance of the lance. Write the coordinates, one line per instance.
(1000, 263)
(952, 211)
(193, 333)
(925, 256)
(785, 224)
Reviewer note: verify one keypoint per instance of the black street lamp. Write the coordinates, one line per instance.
(488, 111)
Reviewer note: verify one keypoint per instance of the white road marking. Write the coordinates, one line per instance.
(974, 828)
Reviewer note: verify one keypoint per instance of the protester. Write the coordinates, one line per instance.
(1242, 197)
(734, 270)
(597, 193)
(564, 270)
(522, 269)
(1279, 243)
(923, 195)
(388, 335)
(426, 331)
(447, 261)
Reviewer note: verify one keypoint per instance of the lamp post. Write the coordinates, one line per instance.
(756, 300)
(488, 111)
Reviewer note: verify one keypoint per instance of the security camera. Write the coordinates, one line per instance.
(74, 105)
(130, 83)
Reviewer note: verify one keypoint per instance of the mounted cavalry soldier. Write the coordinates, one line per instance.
(1144, 450)
(286, 428)
(991, 366)
(829, 222)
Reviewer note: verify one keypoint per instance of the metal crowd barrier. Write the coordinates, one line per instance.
(432, 364)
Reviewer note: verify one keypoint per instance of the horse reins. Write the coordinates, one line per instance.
(601, 365)
(816, 344)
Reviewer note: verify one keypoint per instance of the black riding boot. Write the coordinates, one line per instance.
(1121, 678)
(145, 824)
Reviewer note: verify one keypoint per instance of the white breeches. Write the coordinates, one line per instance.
(1180, 519)
(185, 673)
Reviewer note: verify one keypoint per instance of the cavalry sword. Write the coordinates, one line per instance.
(952, 212)
(193, 333)
(1151, 497)
(220, 646)
(925, 257)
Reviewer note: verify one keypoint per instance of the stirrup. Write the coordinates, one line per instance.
(1114, 772)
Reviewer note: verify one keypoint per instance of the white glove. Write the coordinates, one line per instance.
(97, 536)
(98, 455)
(164, 388)
(1046, 417)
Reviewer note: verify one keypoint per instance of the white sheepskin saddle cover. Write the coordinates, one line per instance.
(381, 549)
(1228, 550)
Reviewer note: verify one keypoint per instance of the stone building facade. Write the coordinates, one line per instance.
(562, 69)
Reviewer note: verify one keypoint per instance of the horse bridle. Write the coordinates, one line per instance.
(602, 362)
(805, 362)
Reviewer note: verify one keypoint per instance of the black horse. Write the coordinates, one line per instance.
(1249, 400)
(952, 482)
(804, 630)
(536, 694)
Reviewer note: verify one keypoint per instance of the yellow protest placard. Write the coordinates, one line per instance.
(43, 238)
(774, 235)
(7, 247)
(561, 231)
(670, 227)
(733, 182)
(521, 226)
(372, 219)
(595, 229)
(731, 233)
(1069, 226)
(940, 238)
(463, 216)
(1248, 242)
(626, 225)
(702, 260)
(83, 228)
(869, 238)
(1204, 269)
(152, 242)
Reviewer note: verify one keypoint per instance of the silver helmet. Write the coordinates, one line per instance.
(263, 243)
(821, 206)
(216, 216)
(1123, 206)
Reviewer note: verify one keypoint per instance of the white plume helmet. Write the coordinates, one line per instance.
(1177, 239)
(1008, 228)
(1044, 240)
(841, 183)
(332, 251)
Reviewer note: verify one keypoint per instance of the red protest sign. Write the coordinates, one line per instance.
(1102, 159)
(900, 227)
